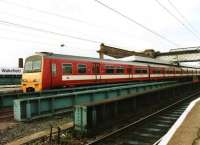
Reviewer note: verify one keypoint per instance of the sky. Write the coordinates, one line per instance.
(43, 25)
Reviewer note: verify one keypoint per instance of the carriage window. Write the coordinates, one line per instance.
(169, 71)
(53, 69)
(137, 71)
(156, 71)
(129, 70)
(81, 68)
(140, 71)
(120, 70)
(109, 69)
(67, 69)
(96, 68)
(144, 71)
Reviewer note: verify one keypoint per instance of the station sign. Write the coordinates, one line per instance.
(11, 71)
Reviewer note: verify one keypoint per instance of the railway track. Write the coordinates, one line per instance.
(6, 98)
(6, 114)
(6, 110)
(148, 130)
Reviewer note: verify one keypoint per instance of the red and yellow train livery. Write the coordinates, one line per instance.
(48, 70)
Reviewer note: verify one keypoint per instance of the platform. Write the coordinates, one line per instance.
(9, 88)
(186, 130)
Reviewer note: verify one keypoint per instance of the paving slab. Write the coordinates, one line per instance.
(186, 130)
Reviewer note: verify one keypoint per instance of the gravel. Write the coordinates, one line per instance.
(26, 128)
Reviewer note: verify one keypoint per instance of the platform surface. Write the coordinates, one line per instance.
(186, 130)
(9, 88)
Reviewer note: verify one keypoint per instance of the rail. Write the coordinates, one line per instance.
(103, 138)
(6, 99)
(38, 107)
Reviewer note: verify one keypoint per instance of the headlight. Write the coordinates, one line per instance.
(24, 80)
(36, 81)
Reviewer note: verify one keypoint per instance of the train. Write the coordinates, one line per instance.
(45, 70)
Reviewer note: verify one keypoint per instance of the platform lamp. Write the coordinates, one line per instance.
(62, 45)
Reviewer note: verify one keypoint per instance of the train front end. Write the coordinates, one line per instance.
(32, 75)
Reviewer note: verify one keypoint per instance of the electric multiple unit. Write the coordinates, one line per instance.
(47, 71)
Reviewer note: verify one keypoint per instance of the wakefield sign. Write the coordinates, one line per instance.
(11, 71)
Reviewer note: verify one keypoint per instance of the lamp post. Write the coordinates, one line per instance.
(62, 45)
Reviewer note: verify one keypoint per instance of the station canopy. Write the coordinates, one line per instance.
(186, 56)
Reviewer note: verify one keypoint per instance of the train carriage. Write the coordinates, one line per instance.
(47, 70)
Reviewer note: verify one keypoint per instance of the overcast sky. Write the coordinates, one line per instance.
(94, 22)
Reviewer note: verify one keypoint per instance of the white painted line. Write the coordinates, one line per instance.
(165, 140)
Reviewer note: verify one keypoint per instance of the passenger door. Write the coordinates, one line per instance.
(96, 71)
(54, 75)
(130, 72)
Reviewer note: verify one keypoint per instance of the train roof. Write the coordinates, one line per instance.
(140, 61)
(145, 60)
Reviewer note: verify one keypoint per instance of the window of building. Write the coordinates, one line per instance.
(67, 69)
(109, 69)
(81, 68)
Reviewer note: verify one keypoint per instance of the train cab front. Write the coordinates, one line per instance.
(32, 75)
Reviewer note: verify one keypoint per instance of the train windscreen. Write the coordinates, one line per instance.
(33, 64)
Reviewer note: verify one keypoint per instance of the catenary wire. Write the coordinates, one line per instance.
(69, 18)
(40, 42)
(137, 23)
(47, 12)
(177, 19)
(183, 17)
(26, 40)
(47, 31)
(45, 23)
(59, 16)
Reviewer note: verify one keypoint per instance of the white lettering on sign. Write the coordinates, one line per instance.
(11, 71)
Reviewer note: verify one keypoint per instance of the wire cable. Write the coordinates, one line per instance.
(137, 23)
(47, 31)
(176, 18)
(58, 15)
(50, 24)
(183, 17)
(47, 12)
(26, 40)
